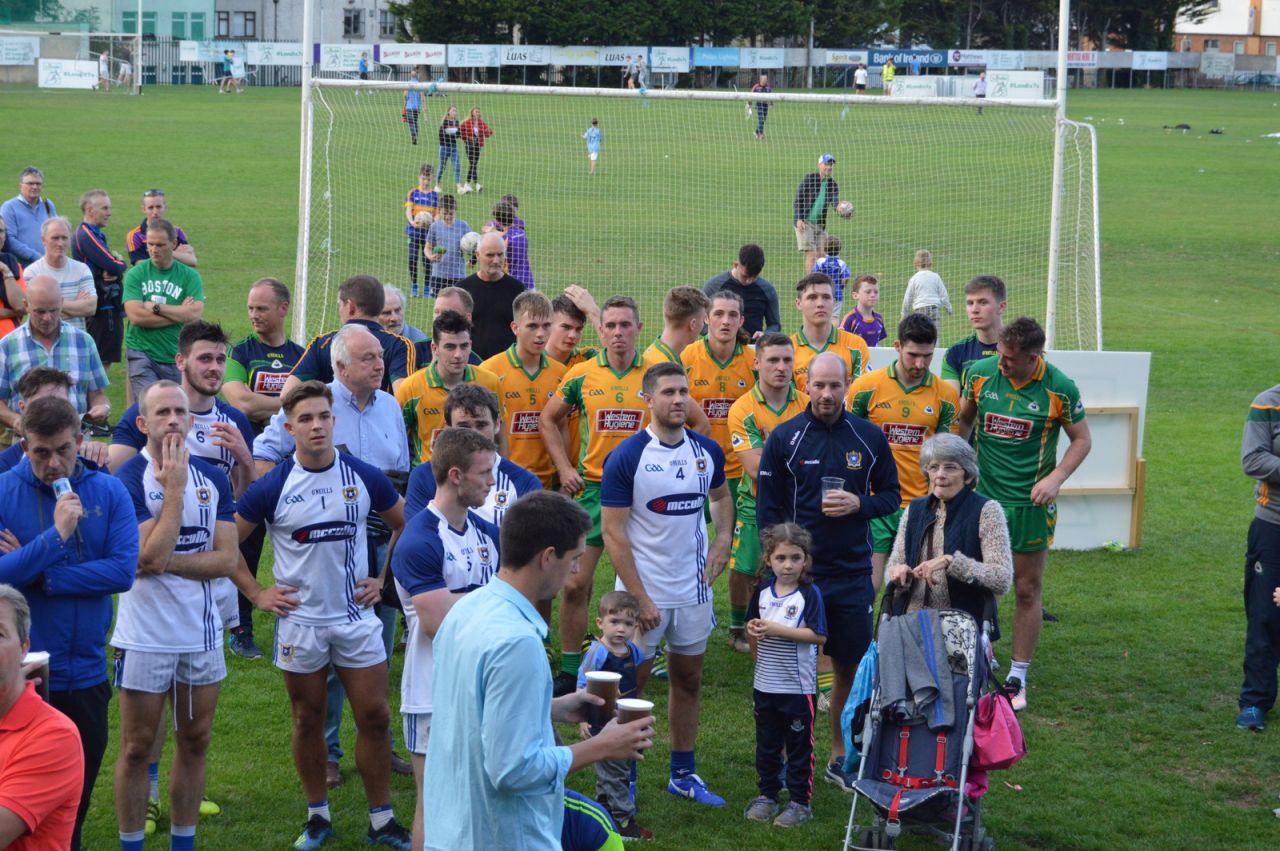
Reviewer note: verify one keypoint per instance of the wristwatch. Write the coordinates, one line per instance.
(155, 308)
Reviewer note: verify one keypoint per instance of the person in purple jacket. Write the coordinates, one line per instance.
(517, 243)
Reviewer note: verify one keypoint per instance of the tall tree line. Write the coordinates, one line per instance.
(1007, 24)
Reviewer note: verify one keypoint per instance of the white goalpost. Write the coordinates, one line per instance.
(682, 182)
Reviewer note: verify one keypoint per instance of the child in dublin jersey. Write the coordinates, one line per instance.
(615, 651)
(593, 143)
(786, 625)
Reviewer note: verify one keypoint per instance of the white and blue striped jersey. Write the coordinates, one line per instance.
(510, 482)
(317, 520)
(199, 437)
(432, 555)
(167, 613)
(784, 666)
(666, 488)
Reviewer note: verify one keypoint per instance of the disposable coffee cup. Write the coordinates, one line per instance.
(41, 658)
(832, 483)
(633, 709)
(603, 684)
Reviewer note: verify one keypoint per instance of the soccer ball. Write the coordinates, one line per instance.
(845, 209)
(469, 243)
(422, 220)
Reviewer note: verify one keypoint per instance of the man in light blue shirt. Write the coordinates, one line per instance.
(24, 214)
(367, 421)
(494, 774)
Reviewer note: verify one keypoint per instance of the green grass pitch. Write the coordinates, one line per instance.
(1133, 692)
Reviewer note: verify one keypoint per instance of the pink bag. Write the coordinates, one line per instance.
(997, 736)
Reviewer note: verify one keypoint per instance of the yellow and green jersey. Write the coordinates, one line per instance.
(715, 386)
(1017, 427)
(421, 397)
(908, 417)
(660, 352)
(611, 408)
(851, 348)
(523, 395)
(751, 420)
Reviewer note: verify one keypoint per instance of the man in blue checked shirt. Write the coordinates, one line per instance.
(45, 340)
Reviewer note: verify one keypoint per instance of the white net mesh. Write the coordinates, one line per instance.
(682, 182)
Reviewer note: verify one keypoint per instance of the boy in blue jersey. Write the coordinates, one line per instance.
(614, 651)
(593, 143)
(652, 494)
(834, 268)
(316, 506)
(422, 199)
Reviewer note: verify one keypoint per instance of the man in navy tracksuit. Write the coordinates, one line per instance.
(827, 441)
(68, 557)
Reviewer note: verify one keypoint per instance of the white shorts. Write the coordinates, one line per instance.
(224, 591)
(593, 156)
(301, 649)
(155, 673)
(417, 729)
(686, 630)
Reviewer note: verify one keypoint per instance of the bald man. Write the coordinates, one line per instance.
(46, 339)
(493, 291)
(826, 441)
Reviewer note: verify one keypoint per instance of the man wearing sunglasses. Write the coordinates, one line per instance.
(153, 208)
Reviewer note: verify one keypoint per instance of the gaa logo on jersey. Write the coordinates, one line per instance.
(350, 494)
(500, 499)
(524, 422)
(204, 495)
(853, 460)
(700, 464)
(676, 504)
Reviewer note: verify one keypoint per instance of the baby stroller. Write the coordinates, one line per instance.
(917, 737)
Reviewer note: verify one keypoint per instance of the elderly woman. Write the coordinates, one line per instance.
(954, 539)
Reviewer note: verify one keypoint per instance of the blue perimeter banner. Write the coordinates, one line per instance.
(903, 58)
(716, 57)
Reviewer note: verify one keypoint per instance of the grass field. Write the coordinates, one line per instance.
(1133, 692)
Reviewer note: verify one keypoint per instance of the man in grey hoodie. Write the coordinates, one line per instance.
(1260, 457)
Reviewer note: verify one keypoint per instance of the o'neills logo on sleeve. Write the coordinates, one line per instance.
(1010, 428)
(618, 420)
(319, 533)
(524, 422)
(905, 434)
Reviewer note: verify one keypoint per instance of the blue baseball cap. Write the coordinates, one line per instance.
(826, 158)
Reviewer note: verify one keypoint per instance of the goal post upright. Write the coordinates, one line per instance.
(1059, 151)
(300, 293)
(137, 54)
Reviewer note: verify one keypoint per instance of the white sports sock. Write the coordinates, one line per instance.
(1019, 670)
(379, 817)
(321, 809)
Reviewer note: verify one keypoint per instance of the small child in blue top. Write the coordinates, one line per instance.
(614, 650)
(834, 268)
(786, 624)
(593, 143)
(863, 319)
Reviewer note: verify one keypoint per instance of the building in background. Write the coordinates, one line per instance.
(1241, 27)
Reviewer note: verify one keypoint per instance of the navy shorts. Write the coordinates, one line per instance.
(847, 602)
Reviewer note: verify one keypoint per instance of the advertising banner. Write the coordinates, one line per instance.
(1014, 85)
(1150, 60)
(67, 74)
(341, 57)
(762, 57)
(274, 53)
(578, 55)
(1217, 66)
(845, 57)
(619, 56)
(475, 55)
(1082, 59)
(967, 59)
(1006, 60)
(915, 87)
(412, 54)
(904, 58)
(19, 51)
(716, 57)
(526, 54)
(669, 60)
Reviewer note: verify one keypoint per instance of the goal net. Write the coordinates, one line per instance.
(83, 61)
(682, 182)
